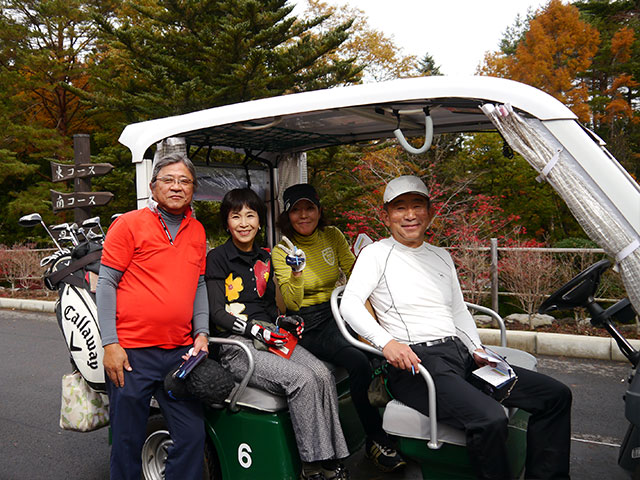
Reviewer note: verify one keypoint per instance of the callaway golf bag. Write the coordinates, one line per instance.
(73, 272)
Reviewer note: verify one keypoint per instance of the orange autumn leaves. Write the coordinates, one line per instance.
(554, 51)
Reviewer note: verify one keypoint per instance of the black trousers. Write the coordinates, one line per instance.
(326, 342)
(463, 406)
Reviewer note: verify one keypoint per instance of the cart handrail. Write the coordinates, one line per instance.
(239, 389)
(496, 316)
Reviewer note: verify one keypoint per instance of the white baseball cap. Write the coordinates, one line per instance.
(404, 184)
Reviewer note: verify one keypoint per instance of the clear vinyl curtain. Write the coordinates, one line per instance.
(558, 168)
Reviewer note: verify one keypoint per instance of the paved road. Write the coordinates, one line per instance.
(32, 446)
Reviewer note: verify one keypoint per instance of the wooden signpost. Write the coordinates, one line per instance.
(82, 199)
(65, 171)
(64, 201)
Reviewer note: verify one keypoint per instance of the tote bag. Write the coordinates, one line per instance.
(82, 408)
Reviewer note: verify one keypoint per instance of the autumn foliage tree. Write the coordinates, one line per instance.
(586, 54)
(557, 47)
(369, 48)
(614, 78)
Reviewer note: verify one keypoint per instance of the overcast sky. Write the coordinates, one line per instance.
(456, 33)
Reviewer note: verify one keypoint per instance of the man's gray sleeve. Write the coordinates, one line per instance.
(201, 309)
(108, 280)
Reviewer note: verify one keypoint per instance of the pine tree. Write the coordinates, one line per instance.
(42, 46)
(168, 57)
(427, 66)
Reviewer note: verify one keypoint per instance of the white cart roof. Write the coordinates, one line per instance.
(601, 194)
(340, 115)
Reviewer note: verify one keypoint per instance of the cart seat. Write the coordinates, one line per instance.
(404, 421)
(263, 401)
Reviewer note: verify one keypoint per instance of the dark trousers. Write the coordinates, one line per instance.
(463, 406)
(326, 342)
(129, 410)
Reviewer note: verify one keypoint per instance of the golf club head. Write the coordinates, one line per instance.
(82, 232)
(94, 236)
(59, 227)
(64, 236)
(30, 220)
(34, 219)
(91, 222)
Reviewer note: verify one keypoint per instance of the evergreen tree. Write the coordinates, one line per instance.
(515, 33)
(427, 66)
(614, 77)
(157, 58)
(42, 46)
(167, 57)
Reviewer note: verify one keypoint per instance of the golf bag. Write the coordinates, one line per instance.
(74, 276)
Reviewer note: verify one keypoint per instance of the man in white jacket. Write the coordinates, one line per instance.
(416, 295)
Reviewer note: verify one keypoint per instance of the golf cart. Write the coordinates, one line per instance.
(250, 436)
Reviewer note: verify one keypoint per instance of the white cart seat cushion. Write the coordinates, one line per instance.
(260, 400)
(403, 421)
(267, 402)
(519, 358)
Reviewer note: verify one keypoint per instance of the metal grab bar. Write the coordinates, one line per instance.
(493, 314)
(239, 390)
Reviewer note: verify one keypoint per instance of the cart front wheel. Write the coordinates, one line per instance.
(156, 448)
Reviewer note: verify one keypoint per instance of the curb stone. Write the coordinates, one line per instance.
(31, 305)
(544, 343)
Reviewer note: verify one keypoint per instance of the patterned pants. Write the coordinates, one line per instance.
(311, 395)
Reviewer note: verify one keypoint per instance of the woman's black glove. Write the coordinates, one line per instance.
(291, 323)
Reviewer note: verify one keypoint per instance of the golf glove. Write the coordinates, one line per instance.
(296, 258)
(267, 336)
(291, 323)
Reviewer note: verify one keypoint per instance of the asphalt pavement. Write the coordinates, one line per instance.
(32, 445)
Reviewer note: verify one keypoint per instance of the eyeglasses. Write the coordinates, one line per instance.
(182, 181)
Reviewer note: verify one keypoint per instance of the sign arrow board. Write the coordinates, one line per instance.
(64, 201)
(66, 171)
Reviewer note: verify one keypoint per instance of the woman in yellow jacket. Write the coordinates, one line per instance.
(308, 263)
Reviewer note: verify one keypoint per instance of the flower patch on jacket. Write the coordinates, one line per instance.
(261, 273)
(233, 287)
(236, 310)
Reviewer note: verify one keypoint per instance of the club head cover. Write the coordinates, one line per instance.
(209, 383)
(175, 388)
